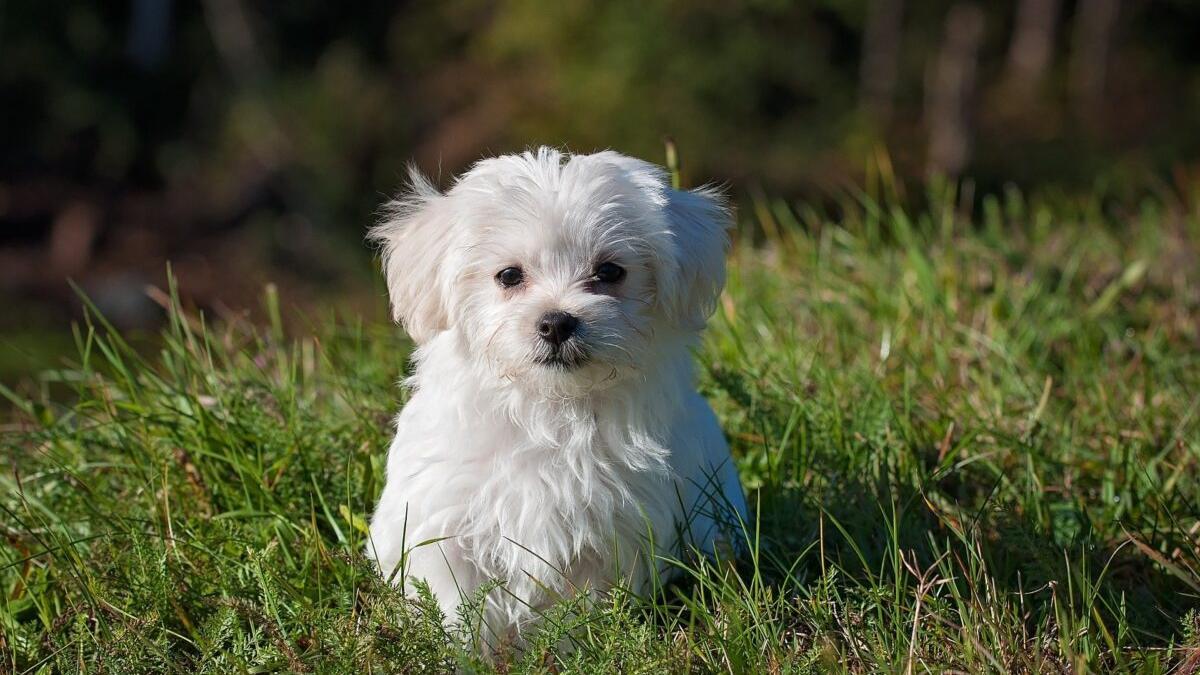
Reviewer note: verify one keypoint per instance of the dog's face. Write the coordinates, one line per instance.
(561, 273)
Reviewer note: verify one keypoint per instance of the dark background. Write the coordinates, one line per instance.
(250, 142)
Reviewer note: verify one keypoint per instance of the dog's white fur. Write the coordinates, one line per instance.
(551, 479)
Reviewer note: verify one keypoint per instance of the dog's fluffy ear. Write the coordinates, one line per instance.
(699, 223)
(691, 255)
(416, 236)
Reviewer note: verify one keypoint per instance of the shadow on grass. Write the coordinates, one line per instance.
(881, 537)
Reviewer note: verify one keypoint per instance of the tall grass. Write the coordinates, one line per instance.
(972, 446)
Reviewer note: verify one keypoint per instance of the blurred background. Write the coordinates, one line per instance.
(250, 142)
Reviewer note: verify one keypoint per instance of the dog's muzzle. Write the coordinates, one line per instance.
(557, 327)
(558, 331)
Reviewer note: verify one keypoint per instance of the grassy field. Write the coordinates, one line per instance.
(972, 444)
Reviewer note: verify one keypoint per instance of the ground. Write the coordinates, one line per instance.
(971, 442)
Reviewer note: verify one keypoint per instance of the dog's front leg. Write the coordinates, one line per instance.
(444, 567)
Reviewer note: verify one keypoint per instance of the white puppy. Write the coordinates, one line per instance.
(554, 440)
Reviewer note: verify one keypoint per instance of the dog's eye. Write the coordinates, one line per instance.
(609, 273)
(510, 276)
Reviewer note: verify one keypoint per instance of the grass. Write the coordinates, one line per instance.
(972, 444)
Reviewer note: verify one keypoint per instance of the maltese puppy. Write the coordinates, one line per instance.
(554, 443)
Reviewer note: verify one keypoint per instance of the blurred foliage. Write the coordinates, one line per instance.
(250, 142)
(343, 95)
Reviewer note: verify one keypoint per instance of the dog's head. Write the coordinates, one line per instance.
(556, 268)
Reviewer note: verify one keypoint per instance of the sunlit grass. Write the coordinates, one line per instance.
(972, 445)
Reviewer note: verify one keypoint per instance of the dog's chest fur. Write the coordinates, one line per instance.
(548, 496)
(568, 493)
(568, 486)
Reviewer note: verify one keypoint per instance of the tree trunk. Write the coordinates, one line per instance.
(880, 58)
(1032, 47)
(950, 89)
(1094, 22)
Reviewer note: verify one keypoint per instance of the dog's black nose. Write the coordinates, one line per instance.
(556, 327)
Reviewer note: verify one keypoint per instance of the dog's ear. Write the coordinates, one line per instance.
(416, 236)
(699, 223)
(691, 251)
